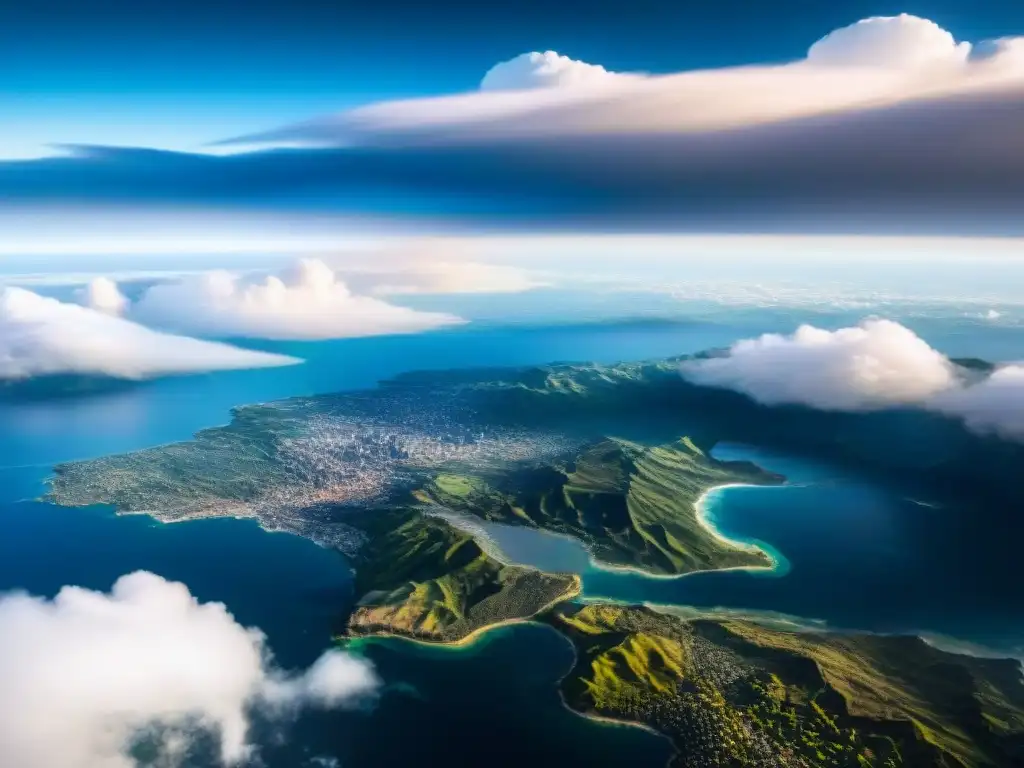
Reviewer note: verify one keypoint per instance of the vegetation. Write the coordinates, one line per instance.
(419, 577)
(633, 505)
(734, 693)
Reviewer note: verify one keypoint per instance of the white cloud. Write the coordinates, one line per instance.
(434, 266)
(877, 364)
(85, 673)
(545, 70)
(42, 336)
(902, 41)
(877, 63)
(451, 277)
(103, 295)
(306, 301)
(993, 406)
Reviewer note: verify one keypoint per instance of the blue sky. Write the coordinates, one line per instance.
(723, 117)
(178, 75)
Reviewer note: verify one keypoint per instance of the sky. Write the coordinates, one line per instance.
(723, 117)
(178, 75)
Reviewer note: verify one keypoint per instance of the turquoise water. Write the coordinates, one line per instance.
(860, 556)
(854, 555)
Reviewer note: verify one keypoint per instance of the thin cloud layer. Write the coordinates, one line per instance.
(41, 336)
(306, 301)
(874, 63)
(432, 266)
(454, 277)
(877, 364)
(89, 675)
(890, 123)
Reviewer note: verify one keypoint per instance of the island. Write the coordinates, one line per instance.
(618, 457)
(584, 451)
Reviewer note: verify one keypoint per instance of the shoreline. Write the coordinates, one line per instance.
(474, 636)
(777, 566)
(477, 635)
(605, 719)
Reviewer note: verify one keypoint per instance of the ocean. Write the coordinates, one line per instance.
(859, 556)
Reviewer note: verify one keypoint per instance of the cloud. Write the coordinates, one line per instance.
(877, 364)
(305, 302)
(877, 62)
(103, 295)
(87, 675)
(993, 406)
(452, 277)
(42, 336)
(545, 70)
(432, 266)
(902, 41)
(888, 123)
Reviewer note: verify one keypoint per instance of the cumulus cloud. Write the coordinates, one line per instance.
(307, 301)
(877, 364)
(545, 70)
(992, 406)
(876, 62)
(87, 674)
(103, 295)
(902, 41)
(42, 336)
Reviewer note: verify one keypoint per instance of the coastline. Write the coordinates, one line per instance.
(778, 564)
(605, 719)
(476, 635)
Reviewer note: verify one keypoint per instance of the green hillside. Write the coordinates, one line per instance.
(419, 577)
(633, 505)
(734, 693)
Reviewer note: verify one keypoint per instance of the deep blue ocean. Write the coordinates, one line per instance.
(859, 556)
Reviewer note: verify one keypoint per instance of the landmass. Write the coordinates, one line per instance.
(735, 693)
(617, 457)
(633, 505)
(419, 577)
(568, 449)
